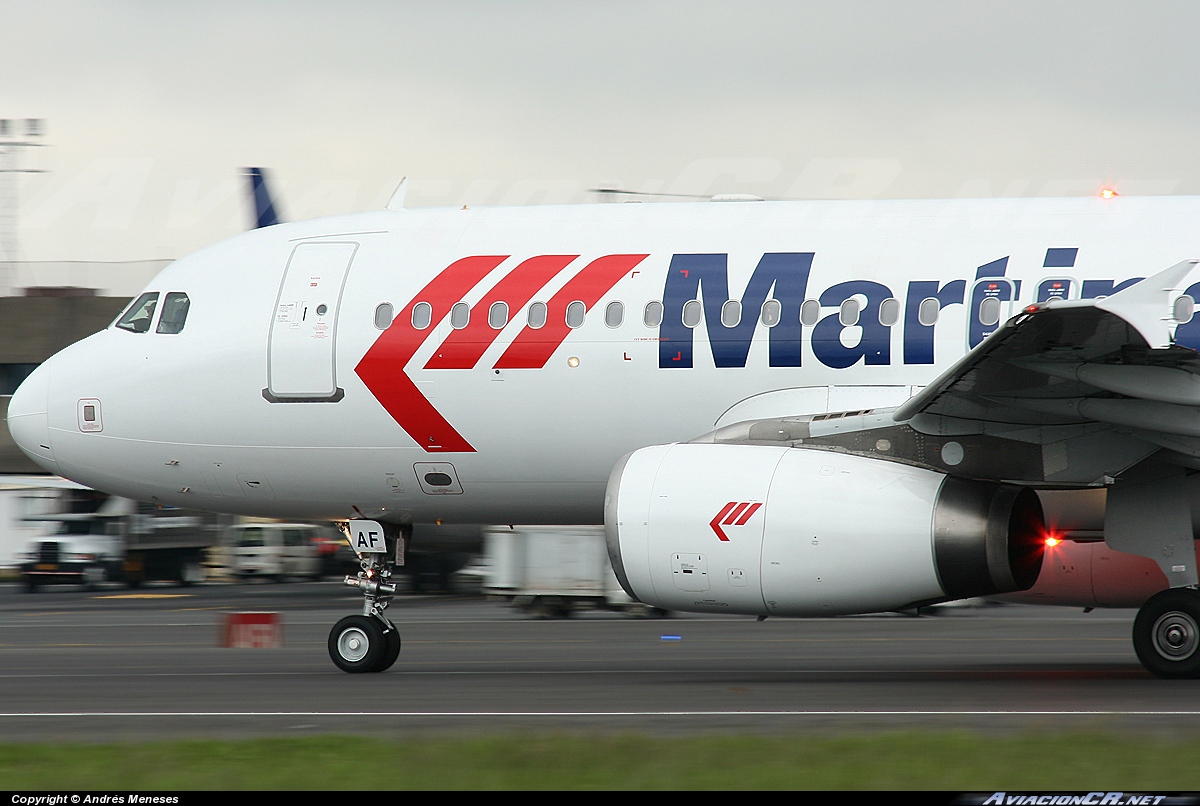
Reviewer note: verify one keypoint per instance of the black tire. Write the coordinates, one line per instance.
(1166, 634)
(357, 644)
(391, 648)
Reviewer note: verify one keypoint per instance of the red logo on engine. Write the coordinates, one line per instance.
(735, 513)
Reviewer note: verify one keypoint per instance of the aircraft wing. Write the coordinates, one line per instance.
(1066, 393)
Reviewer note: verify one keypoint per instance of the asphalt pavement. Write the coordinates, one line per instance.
(119, 664)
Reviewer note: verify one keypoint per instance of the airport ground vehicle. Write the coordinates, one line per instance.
(123, 541)
(554, 571)
(775, 408)
(276, 550)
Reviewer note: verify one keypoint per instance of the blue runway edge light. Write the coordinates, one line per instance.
(672, 638)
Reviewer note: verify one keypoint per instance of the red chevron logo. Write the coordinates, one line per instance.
(384, 367)
(735, 513)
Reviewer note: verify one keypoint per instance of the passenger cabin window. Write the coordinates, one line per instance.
(731, 313)
(810, 312)
(498, 315)
(989, 312)
(422, 315)
(174, 312)
(460, 315)
(848, 313)
(1183, 309)
(614, 314)
(691, 313)
(137, 317)
(889, 312)
(653, 315)
(772, 312)
(383, 315)
(575, 314)
(537, 315)
(927, 313)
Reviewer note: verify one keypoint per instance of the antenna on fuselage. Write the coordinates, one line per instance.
(612, 193)
(608, 193)
(397, 200)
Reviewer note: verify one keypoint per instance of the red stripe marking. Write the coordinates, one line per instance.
(382, 369)
(747, 514)
(733, 515)
(531, 349)
(462, 349)
(715, 521)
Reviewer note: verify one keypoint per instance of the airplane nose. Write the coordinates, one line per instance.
(28, 421)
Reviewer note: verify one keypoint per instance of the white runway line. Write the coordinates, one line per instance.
(176, 714)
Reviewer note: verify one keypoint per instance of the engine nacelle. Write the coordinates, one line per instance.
(800, 532)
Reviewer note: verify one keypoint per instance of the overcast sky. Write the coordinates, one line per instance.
(152, 108)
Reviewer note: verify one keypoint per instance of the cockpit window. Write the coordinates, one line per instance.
(174, 312)
(137, 317)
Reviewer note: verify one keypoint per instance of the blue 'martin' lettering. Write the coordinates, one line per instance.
(918, 338)
(874, 345)
(783, 275)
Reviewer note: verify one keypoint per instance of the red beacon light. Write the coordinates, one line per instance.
(1052, 541)
(1108, 193)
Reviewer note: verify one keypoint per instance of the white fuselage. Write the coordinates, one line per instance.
(218, 416)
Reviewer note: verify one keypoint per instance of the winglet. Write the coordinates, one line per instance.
(397, 200)
(1148, 305)
(264, 206)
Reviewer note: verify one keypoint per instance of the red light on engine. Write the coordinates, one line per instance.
(1109, 193)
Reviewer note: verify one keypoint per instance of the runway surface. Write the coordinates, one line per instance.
(117, 664)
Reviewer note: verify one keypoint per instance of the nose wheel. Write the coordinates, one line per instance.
(361, 644)
(1166, 634)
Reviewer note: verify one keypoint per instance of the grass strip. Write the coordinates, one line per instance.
(904, 760)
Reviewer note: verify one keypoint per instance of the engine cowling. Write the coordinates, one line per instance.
(772, 530)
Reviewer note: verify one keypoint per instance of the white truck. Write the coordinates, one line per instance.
(121, 541)
(553, 571)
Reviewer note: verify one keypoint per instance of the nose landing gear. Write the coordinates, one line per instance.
(370, 642)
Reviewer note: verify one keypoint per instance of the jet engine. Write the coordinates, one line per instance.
(759, 529)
